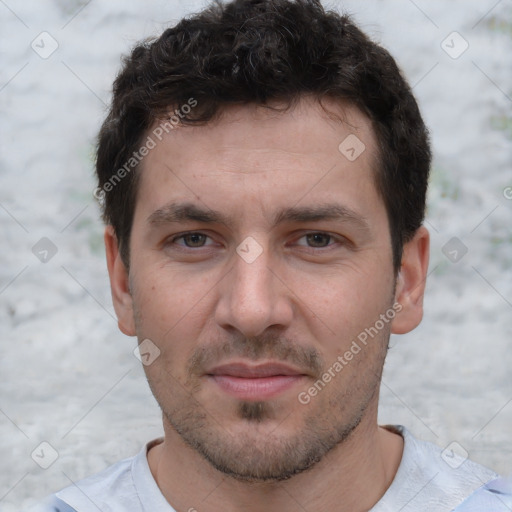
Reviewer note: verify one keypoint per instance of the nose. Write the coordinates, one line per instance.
(253, 297)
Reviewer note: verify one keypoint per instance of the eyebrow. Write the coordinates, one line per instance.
(189, 212)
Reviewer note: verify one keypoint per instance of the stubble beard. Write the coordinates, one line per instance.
(257, 454)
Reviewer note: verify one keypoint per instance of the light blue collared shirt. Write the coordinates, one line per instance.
(494, 496)
(424, 482)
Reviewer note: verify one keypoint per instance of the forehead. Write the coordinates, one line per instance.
(251, 154)
(306, 128)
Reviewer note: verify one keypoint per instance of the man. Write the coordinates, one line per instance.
(263, 172)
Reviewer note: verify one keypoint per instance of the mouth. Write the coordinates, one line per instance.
(255, 382)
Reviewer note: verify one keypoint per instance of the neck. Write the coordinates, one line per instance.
(352, 477)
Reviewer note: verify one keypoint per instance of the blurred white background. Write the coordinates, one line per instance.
(69, 377)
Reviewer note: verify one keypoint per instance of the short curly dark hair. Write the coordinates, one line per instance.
(258, 51)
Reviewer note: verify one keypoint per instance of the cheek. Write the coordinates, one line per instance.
(165, 292)
(171, 307)
(344, 306)
(167, 318)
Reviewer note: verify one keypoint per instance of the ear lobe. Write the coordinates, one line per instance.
(411, 280)
(119, 284)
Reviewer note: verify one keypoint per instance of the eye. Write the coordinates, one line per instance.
(317, 240)
(191, 240)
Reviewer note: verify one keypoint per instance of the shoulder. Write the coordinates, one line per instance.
(51, 504)
(430, 478)
(127, 486)
(100, 488)
(495, 495)
(103, 491)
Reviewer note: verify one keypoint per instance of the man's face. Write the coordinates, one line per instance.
(253, 301)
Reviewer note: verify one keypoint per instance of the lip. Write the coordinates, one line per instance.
(254, 371)
(255, 382)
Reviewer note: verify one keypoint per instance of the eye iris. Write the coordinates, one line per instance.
(317, 239)
(196, 239)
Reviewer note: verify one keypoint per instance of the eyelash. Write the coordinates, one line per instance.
(312, 233)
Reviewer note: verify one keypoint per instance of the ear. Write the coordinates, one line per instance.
(119, 284)
(411, 280)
